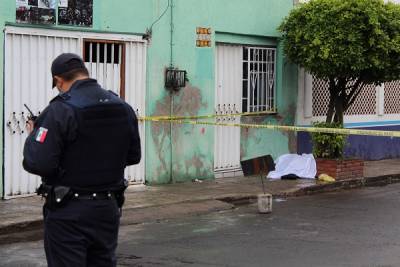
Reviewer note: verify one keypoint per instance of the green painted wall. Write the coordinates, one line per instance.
(234, 21)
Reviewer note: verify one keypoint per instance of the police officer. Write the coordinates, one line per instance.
(80, 146)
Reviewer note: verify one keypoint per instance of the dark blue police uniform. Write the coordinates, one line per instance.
(80, 146)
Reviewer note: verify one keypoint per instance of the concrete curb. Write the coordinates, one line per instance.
(232, 199)
(320, 188)
(21, 226)
(344, 185)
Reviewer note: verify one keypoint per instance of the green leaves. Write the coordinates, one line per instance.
(325, 145)
(349, 43)
(345, 38)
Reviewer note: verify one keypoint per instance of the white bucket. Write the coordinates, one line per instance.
(265, 203)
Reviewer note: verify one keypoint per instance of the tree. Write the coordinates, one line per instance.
(349, 43)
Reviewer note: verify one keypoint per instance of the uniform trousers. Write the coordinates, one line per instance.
(82, 233)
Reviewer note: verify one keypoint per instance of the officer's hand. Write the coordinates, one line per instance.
(30, 125)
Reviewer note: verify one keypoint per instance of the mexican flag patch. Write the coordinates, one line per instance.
(41, 135)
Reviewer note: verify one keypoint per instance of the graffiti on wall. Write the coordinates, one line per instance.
(75, 12)
(36, 11)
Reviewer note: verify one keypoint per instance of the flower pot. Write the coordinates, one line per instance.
(341, 169)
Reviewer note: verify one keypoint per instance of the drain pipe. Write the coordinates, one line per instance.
(171, 64)
(171, 58)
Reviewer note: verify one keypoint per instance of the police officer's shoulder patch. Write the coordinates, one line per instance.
(41, 135)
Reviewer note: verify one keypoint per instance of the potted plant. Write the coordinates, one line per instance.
(328, 149)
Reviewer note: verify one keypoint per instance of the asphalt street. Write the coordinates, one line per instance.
(349, 228)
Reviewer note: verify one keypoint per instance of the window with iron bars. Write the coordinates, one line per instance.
(259, 75)
(98, 51)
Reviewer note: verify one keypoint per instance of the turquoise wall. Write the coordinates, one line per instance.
(232, 21)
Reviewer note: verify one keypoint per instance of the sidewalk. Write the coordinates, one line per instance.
(152, 203)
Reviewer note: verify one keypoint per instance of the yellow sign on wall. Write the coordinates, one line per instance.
(203, 37)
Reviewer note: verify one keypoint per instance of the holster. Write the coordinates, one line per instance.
(56, 196)
(120, 194)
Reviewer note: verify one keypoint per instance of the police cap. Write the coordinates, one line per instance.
(64, 63)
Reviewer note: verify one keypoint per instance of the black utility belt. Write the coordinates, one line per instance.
(57, 196)
(93, 196)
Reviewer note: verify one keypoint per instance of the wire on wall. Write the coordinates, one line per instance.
(150, 30)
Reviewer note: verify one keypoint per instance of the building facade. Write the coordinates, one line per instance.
(376, 108)
(229, 49)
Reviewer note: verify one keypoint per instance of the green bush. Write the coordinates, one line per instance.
(327, 145)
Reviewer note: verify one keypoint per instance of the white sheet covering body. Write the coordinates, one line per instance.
(303, 166)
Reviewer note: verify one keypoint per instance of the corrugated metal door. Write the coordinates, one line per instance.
(229, 60)
(135, 92)
(28, 57)
(28, 81)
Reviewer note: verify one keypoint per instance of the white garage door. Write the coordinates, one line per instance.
(28, 57)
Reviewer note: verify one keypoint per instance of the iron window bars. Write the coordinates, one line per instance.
(259, 79)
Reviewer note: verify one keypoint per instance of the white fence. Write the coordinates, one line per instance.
(376, 105)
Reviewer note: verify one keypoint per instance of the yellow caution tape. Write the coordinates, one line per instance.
(216, 115)
(281, 127)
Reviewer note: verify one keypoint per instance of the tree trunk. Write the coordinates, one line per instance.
(341, 100)
(332, 99)
(337, 100)
(339, 109)
(331, 108)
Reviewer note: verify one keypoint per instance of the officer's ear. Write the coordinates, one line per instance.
(54, 84)
(57, 82)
